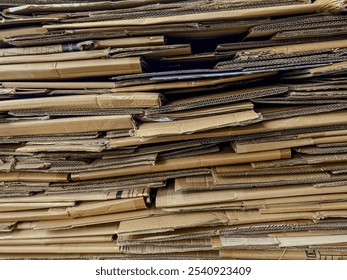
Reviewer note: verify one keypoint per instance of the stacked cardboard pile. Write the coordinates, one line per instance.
(168, 129)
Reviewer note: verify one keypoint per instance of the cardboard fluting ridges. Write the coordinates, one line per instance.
(173, 129)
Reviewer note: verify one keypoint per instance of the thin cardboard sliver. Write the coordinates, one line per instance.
(214, 159)
(70, 125)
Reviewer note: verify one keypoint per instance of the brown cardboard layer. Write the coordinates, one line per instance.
(294, 48)
(171, 222)
(94, 54)
(105, 207)
(310, 121)
(104, 101)
(168, 197)
(208, 255)
(212, 16)
(7, 226)
(152, 51)
(130, 42)
(155, 249)
(70, 125)
(39, 198)
(268, 228)
(107, 247)
(305, 22)
(58, 85)
(285, 254)
(187, 242)
(302, 208)
(70, 69)
(150, 130)
(56, 148)
(95, 44)
(5, 207)
(105, 164)
(207, 219)
(229, 242)
(190, 84)
(213, 110)
(302, 159)
(33, 177)
(248, 170)
(44, 214)
(30, 233)
(262, 204)
(63, 240)
(96, 220)
(214, 159)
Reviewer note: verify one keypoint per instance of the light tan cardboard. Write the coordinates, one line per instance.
(70, 69)
(130, 42)
(29, 233)
(5, 207)
(213, 16)
(324, 119)
(149, 249)
(70, 125)
(55, 57)
(190, 84)
(150, 130)
(104, 101)
(7, 226)
(168, 197)
(62, 240)
(248, 170)
(96, 220)
(39, 198)
(214, 159)
(172, 222)
(270, 203)
(55, 148)
(108, 247)
(229, 242)
(105, 207)
(248, 146)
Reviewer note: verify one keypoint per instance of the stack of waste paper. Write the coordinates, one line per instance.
(173, 129)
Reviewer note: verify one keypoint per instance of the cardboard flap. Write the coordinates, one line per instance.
(150, 130)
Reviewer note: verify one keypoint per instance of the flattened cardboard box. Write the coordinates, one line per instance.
(291, 203)
(108, 247)
(104, 101)
(207, 219)
(96, 220)
(150, 130)
(70, 69)
(70, 125)
(63, 240)
(171, 198)
(214, 159)
(285, 254)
